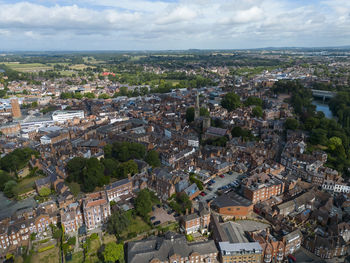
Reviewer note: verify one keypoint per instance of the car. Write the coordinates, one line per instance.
(230, 172)
(202, 194)
(222, 176)
(152, 218)
(210, 188)
(212, 181)
(176, 215)
(156, 223)
(153, 208)
(170, 212)
(158, 205)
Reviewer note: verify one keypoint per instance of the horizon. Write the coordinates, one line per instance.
(106, 25)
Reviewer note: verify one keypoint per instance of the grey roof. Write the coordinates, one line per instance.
(231, 199)
(191, 190)
(164, 247)
(117, 183)
(234, 232)
(227, 248)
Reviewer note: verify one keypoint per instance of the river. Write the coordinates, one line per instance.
(324, 107)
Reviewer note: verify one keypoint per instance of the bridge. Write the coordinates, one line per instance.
(324, 94)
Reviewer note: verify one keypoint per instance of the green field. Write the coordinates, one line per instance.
(137, 225)
(28, 67)
(26, 185)
(49, 256)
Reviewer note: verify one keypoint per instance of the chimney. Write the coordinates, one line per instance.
(192, 210)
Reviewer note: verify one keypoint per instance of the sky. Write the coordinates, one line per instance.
(44, 25)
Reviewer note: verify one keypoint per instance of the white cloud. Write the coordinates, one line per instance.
(124, 24)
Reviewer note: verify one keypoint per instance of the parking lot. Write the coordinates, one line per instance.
(219, 182)
(161, 215)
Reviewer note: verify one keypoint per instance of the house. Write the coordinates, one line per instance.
(171, 248)
(196, 221)
(240, 252)
(71, 218)
(117, 190)
(96, 209)
(192, 191)
(233, 205)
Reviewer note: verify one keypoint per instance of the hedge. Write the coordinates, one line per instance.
(45, 248)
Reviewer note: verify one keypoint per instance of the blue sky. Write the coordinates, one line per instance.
(172, 24)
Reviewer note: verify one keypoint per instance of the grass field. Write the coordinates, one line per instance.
(49, 256)
(29, 67)
(80, 67)
(107, 238)
(77, 257)
(92, 255)
(137, 225)
(26, 185)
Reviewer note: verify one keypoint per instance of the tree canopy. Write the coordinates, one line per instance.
(113, 252)
(231, 101)
(152, 158)
(16, 160)
(253, 101)
(143, 203)
(257, 111)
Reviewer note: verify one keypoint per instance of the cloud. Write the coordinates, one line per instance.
(171, 24)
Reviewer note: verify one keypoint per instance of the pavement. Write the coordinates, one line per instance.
(303, 255)
(162, 215)
(219, 182)
(251, 226)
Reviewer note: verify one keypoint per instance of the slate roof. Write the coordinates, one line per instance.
(117, 183)
(231, 199)
(164, 247)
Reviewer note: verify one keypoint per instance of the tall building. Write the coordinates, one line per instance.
(197, 108)
(16, 111)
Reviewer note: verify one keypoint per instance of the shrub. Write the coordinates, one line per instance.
(94, 236)
(45, 248)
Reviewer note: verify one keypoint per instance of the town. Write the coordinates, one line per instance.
(193, 156)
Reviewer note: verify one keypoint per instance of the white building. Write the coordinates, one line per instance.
(63, 116)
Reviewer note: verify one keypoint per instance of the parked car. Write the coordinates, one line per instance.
(202, 194)
(212, 181)
(152, 218)
(156, 223)
(158, 205)
(222, 176)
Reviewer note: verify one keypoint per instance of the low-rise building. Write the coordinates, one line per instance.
(240, 252)
(171, 248)
(96, 209)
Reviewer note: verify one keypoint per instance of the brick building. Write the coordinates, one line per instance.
(261, 187)
(96, 209)
(197, 220)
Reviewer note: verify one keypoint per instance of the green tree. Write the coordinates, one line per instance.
(253, 101)
(9, 188)
(117, 223)
(89, 95)
(257, 111)
(126, 168)
(152, 158)
(143, 203)
(4, 178)
(113, 252)
(204, 112)
(291, 124)
(231, 101)
(44, 191)
(190, 114)
(103, 96)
